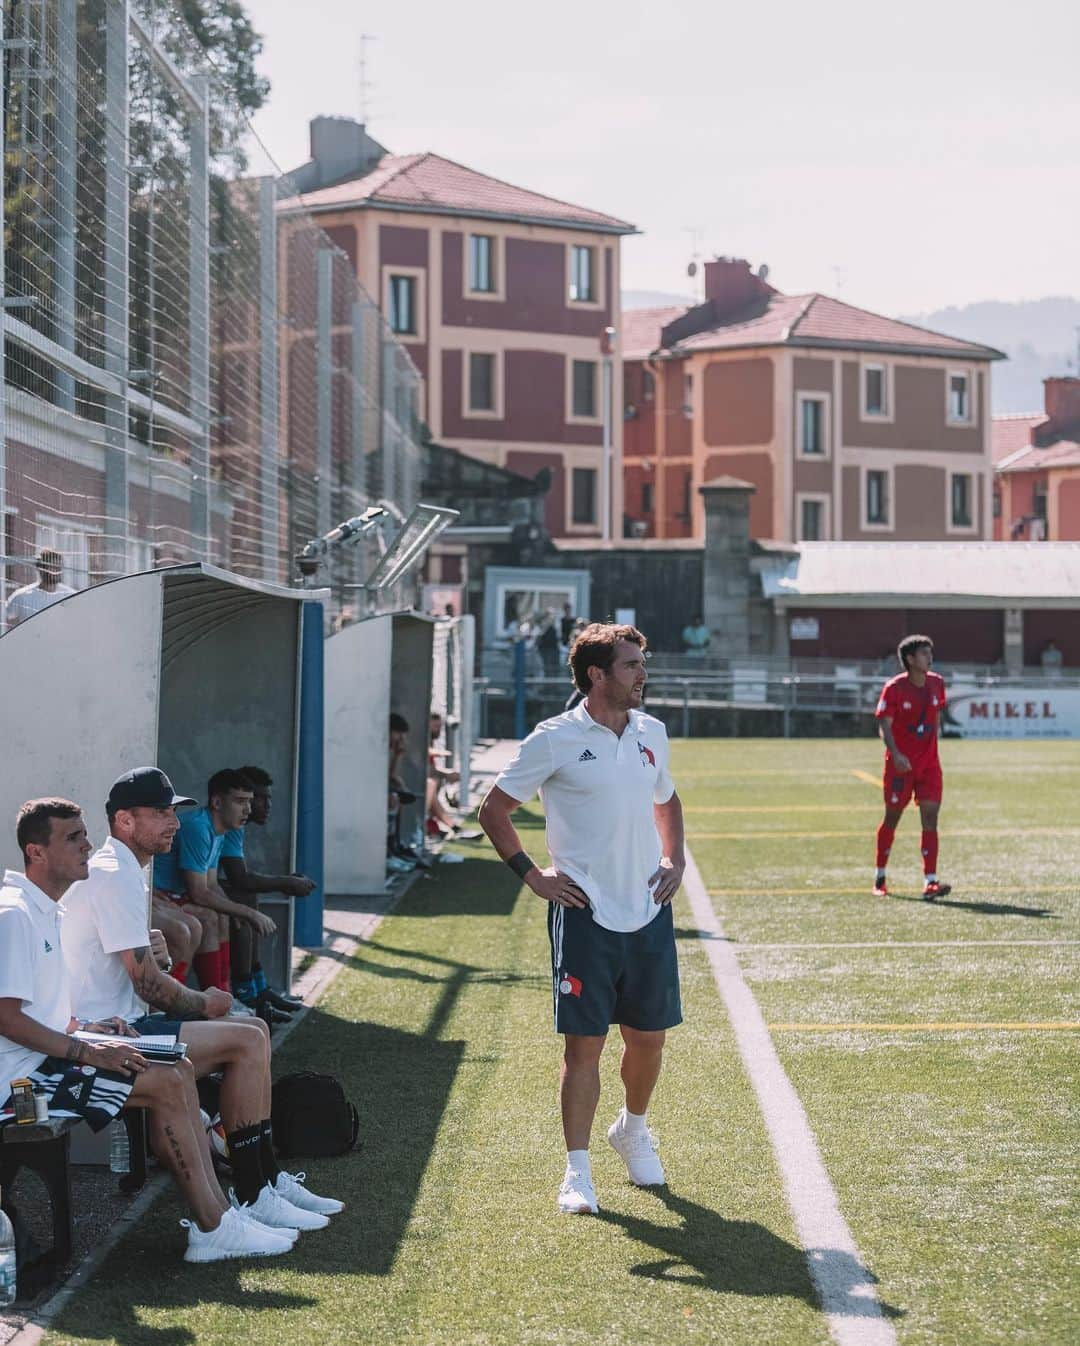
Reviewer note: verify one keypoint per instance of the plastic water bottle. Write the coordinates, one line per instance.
(7, 1260)
(119, 1149)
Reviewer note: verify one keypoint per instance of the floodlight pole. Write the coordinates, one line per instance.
(607, 347)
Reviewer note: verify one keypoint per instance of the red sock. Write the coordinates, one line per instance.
(885, 838)
(929, 852)
(179, 971)
(225, 970)
(206, 968)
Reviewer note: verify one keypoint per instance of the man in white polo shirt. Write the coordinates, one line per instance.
(615, 834)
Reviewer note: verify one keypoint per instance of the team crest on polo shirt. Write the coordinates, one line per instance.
(647, 758)
(569, 985)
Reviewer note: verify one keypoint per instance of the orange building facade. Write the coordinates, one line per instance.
(849, 425)
(1037, 469)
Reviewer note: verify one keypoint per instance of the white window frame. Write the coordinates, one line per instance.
(498, 261)
(970, 418)
(817, 498)
(571, 418)
(961, 529)
(468, 411)
(865, 526)
(419, 275)
(888, 415)
(599, 256)
(825, 399)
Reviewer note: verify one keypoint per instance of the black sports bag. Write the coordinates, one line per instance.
(311, 1116)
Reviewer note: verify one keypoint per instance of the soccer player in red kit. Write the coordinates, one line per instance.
(909, 709)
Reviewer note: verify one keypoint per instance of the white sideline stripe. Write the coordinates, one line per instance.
(844, 1286)
(929, 944)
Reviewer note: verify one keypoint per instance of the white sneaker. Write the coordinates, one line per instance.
(577, 1196)
(286, 1232)
(273, 1210)
(637, 1149)
(234, 1237)
(291, 1187)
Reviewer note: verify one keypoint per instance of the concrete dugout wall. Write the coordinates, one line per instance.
(190, 669)
(372, 668)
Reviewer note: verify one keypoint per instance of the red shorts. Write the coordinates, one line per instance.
(923, 781)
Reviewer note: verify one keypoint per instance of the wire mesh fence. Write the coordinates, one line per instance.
(191, 370)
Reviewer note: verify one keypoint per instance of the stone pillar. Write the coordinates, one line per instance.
(1014, 642)
(727, 579)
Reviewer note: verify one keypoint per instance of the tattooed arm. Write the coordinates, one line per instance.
(19, 1027)
(166, 993)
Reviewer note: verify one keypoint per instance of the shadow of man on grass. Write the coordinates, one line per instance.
(736, 1257)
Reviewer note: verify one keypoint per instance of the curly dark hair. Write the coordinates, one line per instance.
(595, 648)
(909, 645)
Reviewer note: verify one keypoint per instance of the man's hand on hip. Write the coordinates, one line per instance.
(218, 1002)
(665, 882)
(554, 886)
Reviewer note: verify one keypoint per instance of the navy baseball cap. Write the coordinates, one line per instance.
(147, 788)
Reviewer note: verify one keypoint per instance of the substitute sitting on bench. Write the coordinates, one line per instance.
(96, 1081)
(106, 946)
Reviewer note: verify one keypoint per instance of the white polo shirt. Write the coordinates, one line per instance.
(104, 915)
(31, 969)
(598, 792)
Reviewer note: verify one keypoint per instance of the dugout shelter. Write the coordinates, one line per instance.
(189, 668)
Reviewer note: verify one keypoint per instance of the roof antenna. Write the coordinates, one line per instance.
(365, 84)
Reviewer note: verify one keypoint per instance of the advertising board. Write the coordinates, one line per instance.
(1032, 711)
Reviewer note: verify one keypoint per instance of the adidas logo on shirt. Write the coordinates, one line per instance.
(587, 756)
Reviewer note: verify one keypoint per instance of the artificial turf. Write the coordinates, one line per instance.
(953, 1151)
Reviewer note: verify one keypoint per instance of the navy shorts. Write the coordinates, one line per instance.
(151, 1025)
(602, 977)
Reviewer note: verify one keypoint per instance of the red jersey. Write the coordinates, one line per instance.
(914, 712)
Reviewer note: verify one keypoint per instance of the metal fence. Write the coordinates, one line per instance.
(190, 368)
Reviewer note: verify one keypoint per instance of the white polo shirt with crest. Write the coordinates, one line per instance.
(598, 792)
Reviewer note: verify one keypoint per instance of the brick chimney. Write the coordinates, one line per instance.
(1062, 400)
(731, 285)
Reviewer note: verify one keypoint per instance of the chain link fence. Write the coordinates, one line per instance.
(191, 370)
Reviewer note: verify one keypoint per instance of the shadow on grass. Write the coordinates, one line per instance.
(688, 932)
(476, 887)
(986, 908)
(740, 1257)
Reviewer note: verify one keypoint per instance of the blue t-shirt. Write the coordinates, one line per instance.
(232, 844)
(196, 847)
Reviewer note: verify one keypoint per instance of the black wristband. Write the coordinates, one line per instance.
(521, 864)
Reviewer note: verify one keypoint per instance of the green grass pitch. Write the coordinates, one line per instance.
(952, 1149)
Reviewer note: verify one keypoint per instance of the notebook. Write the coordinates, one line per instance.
(154, 1046)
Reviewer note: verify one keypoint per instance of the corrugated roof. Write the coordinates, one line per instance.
(431, 183)
(854, 573)
(818, 320)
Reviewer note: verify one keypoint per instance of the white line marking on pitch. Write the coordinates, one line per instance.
(843, 1283)
(927, 944)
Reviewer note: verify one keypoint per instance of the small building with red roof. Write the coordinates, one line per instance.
(850, 425)
(1037, 469)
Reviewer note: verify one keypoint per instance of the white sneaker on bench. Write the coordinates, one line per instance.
(234, 1237)
(291, 1187)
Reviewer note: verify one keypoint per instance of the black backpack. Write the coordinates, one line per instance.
(311, 1116)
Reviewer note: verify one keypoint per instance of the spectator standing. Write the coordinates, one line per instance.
(566, 626)
(547, 645)
(32, 598)
(696, 636)
(1052, 660)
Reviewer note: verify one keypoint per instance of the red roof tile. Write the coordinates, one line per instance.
(641, 328)
(1009, 433)
(1065, 453)
(430, 182)
(815, 319)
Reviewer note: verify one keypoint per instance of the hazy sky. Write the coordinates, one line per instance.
(901, 156)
